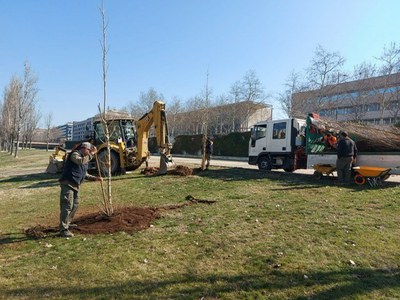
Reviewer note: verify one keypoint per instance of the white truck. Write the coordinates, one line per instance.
(292, 144)
(275, 144)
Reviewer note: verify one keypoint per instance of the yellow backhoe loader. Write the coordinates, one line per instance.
(128, 143)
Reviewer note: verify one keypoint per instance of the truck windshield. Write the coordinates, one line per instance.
(258, 132)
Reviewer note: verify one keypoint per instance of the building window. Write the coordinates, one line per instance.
(393, 105)
(372, 107)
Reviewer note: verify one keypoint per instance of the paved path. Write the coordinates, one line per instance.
(195, 162)
(154, 161)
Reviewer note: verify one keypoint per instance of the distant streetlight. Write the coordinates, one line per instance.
(344, 75)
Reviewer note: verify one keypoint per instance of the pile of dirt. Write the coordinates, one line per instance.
(40, 231)
(126, 219)
(195, 200)
(149, 171)
(181, 171)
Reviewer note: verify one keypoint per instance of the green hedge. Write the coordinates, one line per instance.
(233, 144)
(187, 144)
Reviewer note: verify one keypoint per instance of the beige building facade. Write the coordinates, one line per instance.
(223, 119)
(373, 100)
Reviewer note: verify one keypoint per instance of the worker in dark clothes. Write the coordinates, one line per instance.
(75, 170)
(346, 155)
(209, 151)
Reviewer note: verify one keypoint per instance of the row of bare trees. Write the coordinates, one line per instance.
(326, 72)
(205, 113)
(19, 115)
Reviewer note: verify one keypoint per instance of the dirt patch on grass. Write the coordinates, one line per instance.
(181, 171)
(127, 219)
(149, 171)
(178, 170)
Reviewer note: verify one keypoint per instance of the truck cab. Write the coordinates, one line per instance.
(274, 144)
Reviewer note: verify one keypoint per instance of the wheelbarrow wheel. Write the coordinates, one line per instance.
(317, 175)
(359, 179)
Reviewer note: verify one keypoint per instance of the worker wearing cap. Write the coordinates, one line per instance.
(346, 155)
(330, 140)
(209, 151)
(75, 170)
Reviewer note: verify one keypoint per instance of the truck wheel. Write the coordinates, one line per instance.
(317, 175)
(264, 163)
(289, 170)
(288, 165)
(104, 163)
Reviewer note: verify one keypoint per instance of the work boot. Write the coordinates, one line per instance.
(66, 233)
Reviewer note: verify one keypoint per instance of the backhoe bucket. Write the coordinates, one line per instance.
(166, 163)
(56, 161)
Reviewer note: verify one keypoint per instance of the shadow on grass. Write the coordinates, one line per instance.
(238, 174)
(40, 180)
(352, 282)
(12, 238)
(288, 181)
(43, 233)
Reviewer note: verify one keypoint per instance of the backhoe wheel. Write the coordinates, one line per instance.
(103, 162)
(264, 163)
(359, 179)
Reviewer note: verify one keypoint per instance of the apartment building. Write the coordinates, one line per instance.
(234, 117)
(223, 119)
(373, 100)
(81, 129)
(65, 132)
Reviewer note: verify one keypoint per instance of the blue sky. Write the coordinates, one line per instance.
(170, 45)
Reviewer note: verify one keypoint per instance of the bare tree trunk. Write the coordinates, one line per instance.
(108, 206)
(205, 125)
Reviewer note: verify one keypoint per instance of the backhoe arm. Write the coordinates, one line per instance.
(156, 117)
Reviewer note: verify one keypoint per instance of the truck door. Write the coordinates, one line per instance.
(258, 141)
(279, 140)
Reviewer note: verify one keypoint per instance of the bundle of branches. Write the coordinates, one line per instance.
(368, 138)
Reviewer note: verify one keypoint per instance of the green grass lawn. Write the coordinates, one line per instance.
(270, 235)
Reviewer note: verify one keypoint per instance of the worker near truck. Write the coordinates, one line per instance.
(209, 151)
(330, 141)
(75, 170)
(346, 155)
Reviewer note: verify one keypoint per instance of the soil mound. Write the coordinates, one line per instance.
(126, 219)
(179, 170)
(149, 171)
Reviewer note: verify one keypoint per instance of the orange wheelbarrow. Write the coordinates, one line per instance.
(373, 175)
(321, 169)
